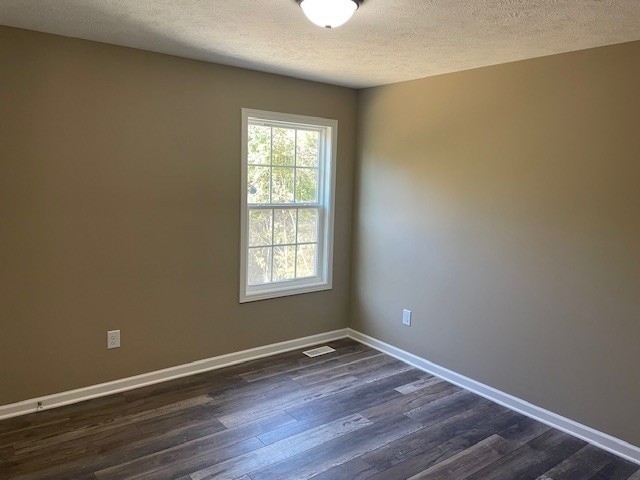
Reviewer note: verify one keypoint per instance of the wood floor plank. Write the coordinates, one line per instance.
(214, 379)
(119, 443)
(351, 388)
(68, 476)
(467, 462)
(308, 365)
(338, 451)
(617, 469)
(238, 414)
(451, 436)
(496, 446)
(411, 462)
(290, 430)
(181, 442)
(100, 428)
(250, 393)
(444, 407)
(525, 430)
(281, 450)
(331, 360)
(353, 414)
(202, 445)
(158, 403)
(168, 465)
(385, 371)
(410, 401)
(6, 454)
(354, 399)
(362, 365)
(288, 361)
(355, 469)
(533, 459)
(32, 431)
(420, 384)
(582, 465)
(34, 421)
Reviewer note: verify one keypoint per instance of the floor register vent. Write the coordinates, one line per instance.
(314, 352)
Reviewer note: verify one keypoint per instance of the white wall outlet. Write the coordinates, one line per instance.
(113, 339)
(406, 317)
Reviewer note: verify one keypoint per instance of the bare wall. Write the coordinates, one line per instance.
(120, 209)
(501, 205)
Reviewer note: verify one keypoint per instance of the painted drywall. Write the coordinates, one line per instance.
(501, 205)
(120, 209)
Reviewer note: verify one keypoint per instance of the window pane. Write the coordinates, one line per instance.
(260, 227)
(306, 262)
(307, 149)
(259, 266)
(284, 259)
(284, 145)
(307, 225)
(259, 144)
(284, 226)
(282, 185)
(258, 184)
(306, 185)
(288, 207)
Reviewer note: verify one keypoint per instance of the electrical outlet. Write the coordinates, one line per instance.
(113, 339)
(406, 317)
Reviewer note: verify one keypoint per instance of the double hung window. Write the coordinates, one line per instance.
(288, 176)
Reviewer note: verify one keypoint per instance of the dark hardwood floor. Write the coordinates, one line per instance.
(351, 414)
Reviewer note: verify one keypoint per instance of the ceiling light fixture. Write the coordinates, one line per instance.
(329, 13)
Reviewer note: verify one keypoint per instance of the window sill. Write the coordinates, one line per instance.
(283, 292)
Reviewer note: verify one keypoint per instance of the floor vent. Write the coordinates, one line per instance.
(314, 352)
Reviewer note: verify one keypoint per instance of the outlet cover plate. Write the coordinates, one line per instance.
(113, 339)
(406, 317)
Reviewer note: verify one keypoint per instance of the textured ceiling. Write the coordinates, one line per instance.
(386, 41)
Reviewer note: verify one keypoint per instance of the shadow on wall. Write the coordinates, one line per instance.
(81, 18)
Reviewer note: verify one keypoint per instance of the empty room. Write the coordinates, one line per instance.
(320, 239)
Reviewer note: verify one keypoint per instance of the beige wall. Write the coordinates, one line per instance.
(502, 205)
(499, 204)
(120, 209)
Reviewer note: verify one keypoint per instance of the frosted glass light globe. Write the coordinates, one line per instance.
(329, 13)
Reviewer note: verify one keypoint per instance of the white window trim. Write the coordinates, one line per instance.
(326, 226)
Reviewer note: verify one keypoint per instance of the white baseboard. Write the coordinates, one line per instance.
(588, 434)
(599, 439)
(129, 383)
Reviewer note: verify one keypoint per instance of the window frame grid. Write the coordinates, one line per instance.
(325, 203)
